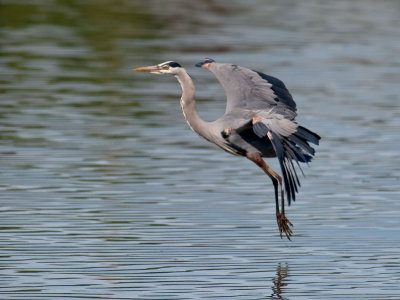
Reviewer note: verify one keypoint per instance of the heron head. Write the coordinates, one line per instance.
(168, 67)
(205, 63)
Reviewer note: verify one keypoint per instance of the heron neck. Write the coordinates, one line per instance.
(188, 105)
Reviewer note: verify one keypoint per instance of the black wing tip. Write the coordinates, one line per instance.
(279, 89)
(308, 135)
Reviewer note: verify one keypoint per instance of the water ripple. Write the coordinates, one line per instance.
(106, 194)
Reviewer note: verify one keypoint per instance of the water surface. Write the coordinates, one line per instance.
(106, 193)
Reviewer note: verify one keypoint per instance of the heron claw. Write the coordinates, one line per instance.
(284, 226)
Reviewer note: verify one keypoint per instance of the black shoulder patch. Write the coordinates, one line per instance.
(174, 64)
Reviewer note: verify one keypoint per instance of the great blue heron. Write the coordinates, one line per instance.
(258, 122)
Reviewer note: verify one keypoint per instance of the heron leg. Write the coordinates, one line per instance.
(283, 223)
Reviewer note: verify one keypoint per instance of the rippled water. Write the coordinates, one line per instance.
(106, 193)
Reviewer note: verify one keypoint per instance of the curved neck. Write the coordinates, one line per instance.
(188, 105)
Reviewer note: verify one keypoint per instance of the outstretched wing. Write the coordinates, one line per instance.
(251, 90)
(263, 111)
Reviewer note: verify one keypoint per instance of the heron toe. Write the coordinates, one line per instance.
(284, 225)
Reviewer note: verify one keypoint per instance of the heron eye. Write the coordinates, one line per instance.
(166, 67)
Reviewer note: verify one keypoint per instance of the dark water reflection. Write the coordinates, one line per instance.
(280, 281)
(105, 192)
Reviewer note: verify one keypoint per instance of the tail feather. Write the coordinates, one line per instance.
(287, 172)
(293, 148)
(302, 144)
(308, 135)
(294, 156)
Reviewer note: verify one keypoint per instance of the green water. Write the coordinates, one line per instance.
(106, 193)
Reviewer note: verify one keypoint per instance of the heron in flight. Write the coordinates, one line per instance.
(259, 122)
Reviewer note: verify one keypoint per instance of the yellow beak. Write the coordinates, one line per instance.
(151, 69)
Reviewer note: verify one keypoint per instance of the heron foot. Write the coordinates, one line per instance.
(284, 225)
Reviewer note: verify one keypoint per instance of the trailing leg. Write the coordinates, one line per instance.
(283, 223)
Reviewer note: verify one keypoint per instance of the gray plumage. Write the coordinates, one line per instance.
(247, 89)
(259, 121)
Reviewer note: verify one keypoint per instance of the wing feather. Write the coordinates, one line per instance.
(252, 94)
(249, 89)
(289, 145)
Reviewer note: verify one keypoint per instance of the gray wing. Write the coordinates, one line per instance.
(260, 109)
(251, 90)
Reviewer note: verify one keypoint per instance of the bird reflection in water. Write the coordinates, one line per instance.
(282, 271)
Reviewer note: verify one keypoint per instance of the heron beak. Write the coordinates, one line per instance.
(151, 69)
